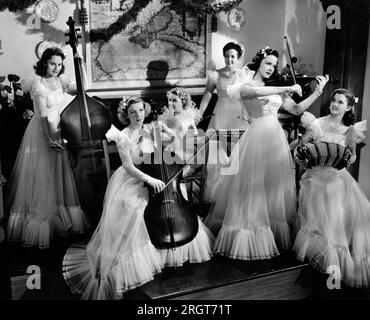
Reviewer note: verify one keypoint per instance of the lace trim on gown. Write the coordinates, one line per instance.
(355, 271)
(197, 251)
(128, 272)
(246, 244)
(33, 231)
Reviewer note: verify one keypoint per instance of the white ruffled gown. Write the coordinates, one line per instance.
(334, 216)
(255, 203)
(120, 255)
(229, 114)
(43, 198)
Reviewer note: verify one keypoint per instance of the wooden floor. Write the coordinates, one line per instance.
(280, 278)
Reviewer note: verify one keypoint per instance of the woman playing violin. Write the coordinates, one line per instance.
(255, 208)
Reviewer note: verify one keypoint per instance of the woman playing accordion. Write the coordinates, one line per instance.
(334, 213)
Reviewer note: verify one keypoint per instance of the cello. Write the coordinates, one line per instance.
(83, 124)
(170, 219)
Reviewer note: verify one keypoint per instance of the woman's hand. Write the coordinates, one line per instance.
(295, 89)
(56, 145)
(352, 160)
(157, 185)
(2, 180)
(321, 82)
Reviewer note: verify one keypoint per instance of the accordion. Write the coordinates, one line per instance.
(323, 154)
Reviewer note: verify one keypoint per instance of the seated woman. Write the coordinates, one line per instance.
(334, 212)
(181, 116)
(120, 255)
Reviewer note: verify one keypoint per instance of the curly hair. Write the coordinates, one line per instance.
(125, 103)
(235, 46)
(42, 64)
(349, 116)
(260, 55)
(183, 95)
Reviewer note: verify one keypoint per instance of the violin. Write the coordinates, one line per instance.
(84, 123)
(290, 78)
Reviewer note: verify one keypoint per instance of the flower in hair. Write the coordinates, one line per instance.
(263, 52)
(123, 104)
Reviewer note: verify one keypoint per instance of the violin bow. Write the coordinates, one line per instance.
(188, 161)
(290, 60)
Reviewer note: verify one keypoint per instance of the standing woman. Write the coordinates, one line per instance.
(229, 112)
(334, 212)
(42, 197)
(120, 255)
(255, 208)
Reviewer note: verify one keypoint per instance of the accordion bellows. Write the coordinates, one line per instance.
(323, 154)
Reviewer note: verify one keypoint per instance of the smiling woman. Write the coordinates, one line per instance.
(253, 226)
(333, 210)
(43, 197)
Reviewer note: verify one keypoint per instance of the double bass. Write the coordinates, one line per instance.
(83, 124)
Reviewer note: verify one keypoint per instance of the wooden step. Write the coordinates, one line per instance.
(223, 278)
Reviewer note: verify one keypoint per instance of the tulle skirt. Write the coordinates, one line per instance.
(42, 197)
(120, 255)
(334, 215)
(229, 114)
(197, 251)
(255, 204)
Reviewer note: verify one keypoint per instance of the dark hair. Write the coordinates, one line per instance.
(233, 45)
(349, 116)
(125, 103)
(41, 65)
(260, 55)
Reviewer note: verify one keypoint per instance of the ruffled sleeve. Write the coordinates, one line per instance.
(168, 118)
(213, 77)
(34, 86)
(121, 139)
(246, 74)
(356, 132)
(194, 113)
(312, 125)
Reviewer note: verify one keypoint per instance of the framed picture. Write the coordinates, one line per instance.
(140, 45)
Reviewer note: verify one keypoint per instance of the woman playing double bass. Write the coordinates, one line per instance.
(42, 198)
(120, 255)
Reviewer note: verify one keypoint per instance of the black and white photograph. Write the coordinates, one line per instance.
(184, 157)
